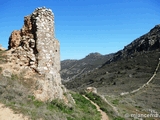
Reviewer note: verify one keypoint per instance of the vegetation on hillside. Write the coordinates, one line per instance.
(120, 76)
(14, 93)
(103, 106)
(125, 75)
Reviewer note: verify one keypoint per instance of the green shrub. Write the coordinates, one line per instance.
(14, 77)
(69, 118)
(95, 98)
(104, 109)
(82, 102)
(31, 97)
(37, 103)
(55, 104)
(115, 102)
(0, 69)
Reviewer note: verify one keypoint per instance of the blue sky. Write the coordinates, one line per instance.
(85, 26)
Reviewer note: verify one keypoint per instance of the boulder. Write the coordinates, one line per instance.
(91, 89)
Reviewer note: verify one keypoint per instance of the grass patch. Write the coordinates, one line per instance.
(104, 106)
(115, 102)
(0, 69)
(14, 77)
(85, 108)
(118, 118)
(95, 98)
(59, 106)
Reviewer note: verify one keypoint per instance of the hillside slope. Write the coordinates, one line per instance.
(136, 60)
(119, 76)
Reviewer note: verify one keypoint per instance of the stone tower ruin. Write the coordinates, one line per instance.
(35, 47)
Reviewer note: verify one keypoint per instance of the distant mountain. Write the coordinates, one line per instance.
(71, 69)
(126, 70)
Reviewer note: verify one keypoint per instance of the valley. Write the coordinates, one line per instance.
(129, 80)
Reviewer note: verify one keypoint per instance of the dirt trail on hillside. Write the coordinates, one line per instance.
(114, 108)
(8, 114)
(104, 115)
(145, 84)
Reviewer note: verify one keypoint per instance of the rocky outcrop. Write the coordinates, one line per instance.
(14, 40)
(35, 48)
(91, 89)
(147, 42)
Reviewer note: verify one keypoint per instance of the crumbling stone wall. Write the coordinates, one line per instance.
(46, 44)
(35, 47)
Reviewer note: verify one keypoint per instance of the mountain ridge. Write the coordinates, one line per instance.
(71, 69)
(147, 42)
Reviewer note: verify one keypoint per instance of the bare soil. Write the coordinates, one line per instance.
(8, 114)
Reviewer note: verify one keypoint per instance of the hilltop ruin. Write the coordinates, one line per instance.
(35, 49)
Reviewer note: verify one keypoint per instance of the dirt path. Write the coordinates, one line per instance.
(145, 84)
(104, 115)
(8, 114)
(114, 108)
